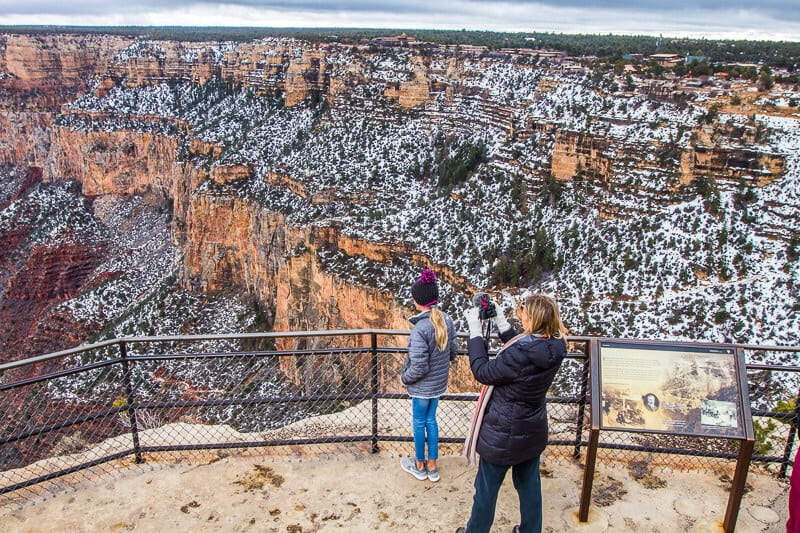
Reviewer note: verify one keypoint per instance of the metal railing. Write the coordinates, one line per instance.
(69, 416)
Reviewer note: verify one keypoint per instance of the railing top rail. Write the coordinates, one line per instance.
(768, 348)
(200, 337)
(316, 333)
(782, 368)
(56, 355)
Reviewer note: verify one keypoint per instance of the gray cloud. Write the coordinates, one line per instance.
(729, 18)
(94, 7)
(782, 8)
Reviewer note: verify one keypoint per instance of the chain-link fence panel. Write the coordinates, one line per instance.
(568, 407)
(62, 426)
(774, 392)
(217, 399)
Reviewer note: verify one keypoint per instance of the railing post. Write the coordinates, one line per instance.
(582, 404)
(374, 390)
(130, 399)
(787, 451)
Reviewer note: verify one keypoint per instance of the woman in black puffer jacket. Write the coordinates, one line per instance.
(514, 429)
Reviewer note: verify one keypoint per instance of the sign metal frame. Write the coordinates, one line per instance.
(744, 422)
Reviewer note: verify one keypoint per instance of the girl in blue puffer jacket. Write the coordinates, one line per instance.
(431, 346)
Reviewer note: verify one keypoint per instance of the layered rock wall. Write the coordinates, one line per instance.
(305, 74)
(235, 243)
(575, 153)
(579, 152)
(415, 92)
(46, 277)
(24, 137)
(120, 162)
(732, 164)
(63, 60)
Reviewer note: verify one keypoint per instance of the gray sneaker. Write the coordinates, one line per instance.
(410, 465)
(433, 475)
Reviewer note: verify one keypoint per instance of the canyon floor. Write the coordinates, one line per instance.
(358, 492)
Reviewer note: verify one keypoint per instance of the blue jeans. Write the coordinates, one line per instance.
(423, 419)
(487, 485)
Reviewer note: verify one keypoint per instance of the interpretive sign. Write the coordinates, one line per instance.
(670, 388)
(673, 388)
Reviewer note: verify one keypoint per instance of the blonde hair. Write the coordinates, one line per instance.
(542, 316)
(439, 328)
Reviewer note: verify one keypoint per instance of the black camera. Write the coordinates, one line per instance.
(485, 305)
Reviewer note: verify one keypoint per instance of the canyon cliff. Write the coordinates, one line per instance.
(318, 179)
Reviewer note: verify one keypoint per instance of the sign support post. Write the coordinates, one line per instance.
(594, 435)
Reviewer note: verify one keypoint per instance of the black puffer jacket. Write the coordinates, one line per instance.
(514, 427)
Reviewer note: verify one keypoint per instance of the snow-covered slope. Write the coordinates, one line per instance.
(639, 254)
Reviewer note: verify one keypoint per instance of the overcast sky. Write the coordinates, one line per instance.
(735, 19)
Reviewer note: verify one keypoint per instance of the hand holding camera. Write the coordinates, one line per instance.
(500, 320)
(473, 318)
(480, 315)
(489, 310)
(485, 306)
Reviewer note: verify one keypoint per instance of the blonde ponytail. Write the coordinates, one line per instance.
(439, 327)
